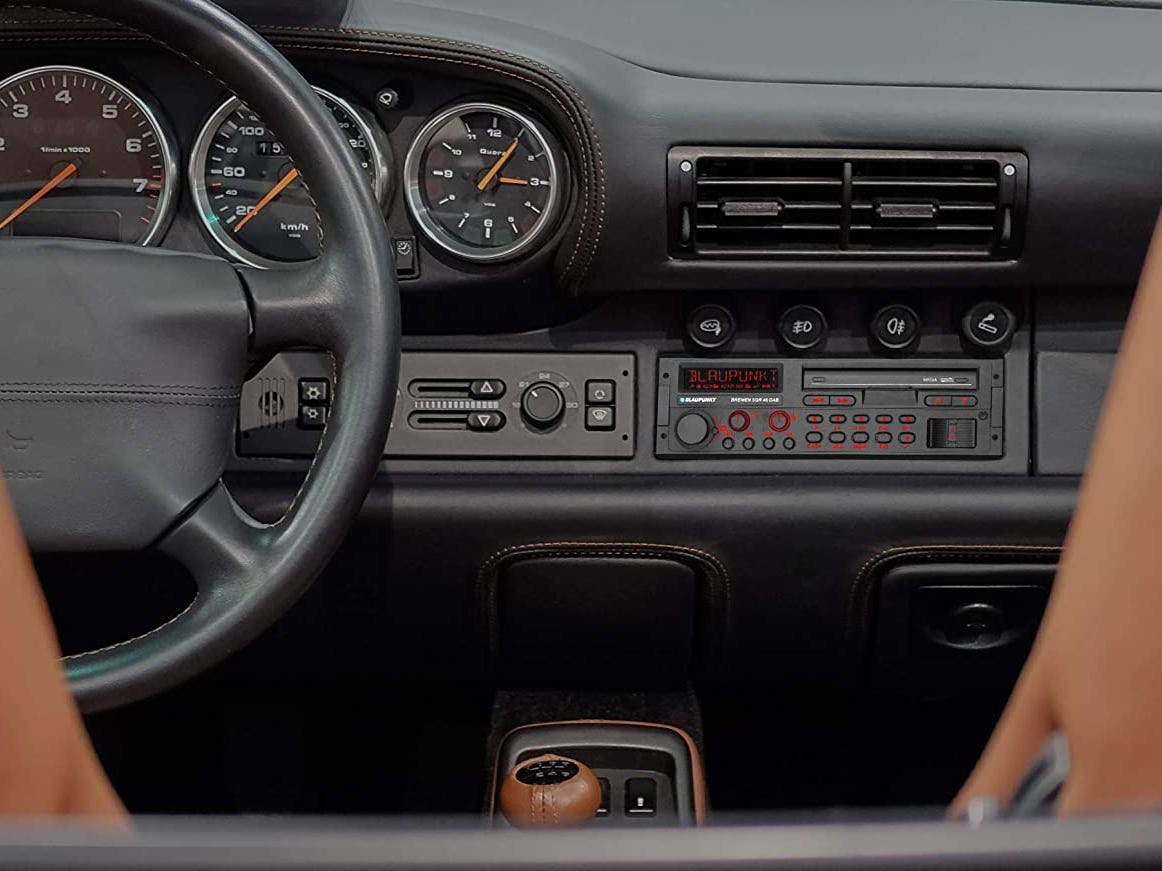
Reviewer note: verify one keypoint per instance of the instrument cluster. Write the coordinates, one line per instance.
(84, 156)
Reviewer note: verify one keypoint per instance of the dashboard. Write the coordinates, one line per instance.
(820, 279)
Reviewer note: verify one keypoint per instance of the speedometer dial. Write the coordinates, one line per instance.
(82, 156)
(249, 194)
(483, 181)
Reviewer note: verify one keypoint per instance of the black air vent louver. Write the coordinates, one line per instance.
(760, 203)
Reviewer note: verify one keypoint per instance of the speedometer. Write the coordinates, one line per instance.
(82, 156)
(249, 194)
(483, 181)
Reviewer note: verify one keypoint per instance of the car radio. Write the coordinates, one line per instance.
(830, 408)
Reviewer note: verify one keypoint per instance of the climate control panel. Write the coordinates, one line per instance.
(485, 405)
(830, 408)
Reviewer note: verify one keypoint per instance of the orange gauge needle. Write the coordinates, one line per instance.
(266, 200)
(506, 180)
(39, 195)
(500, 161)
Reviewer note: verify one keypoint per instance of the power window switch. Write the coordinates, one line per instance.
(312, 416)
(641, 797)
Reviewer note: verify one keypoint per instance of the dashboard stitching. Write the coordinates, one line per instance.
(857, 610)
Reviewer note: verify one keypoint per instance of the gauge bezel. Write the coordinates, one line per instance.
(167, 200)
(197, 176)
(435, 231)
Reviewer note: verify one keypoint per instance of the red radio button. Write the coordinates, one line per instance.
(815, 400)
(739, 420)
(780, 421)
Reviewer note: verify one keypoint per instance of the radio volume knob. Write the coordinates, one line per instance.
(542, 405)
(692, 429)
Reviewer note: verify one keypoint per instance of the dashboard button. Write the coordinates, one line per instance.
(895, 327)
(314, 391)
(843, 399)
(938, 401)
(815, 400)
(748, 444)
(728, 444)
(779, 421)
(883, 438)
(883, 418)
(692, 429)
(860, 438)
(860, 418)
(964, 401)
(789, 443)
(906, 438)
(486, 388)
(907, 418)
(837, 438)
(814, 438)
(814, 418)
(838, 418)
(739, 421)
(406, 265)
(802, 327)
(769, 444)
(312, 416)
(710, 326)
(599, 392)
(485, 421)
(598, 417)
(988, 324)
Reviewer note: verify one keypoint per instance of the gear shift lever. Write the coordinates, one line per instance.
(550, 791)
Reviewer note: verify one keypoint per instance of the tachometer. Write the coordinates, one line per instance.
(82, 156)
(248, 192)
(483, 181)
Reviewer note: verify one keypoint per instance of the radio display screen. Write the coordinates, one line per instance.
(730, 378)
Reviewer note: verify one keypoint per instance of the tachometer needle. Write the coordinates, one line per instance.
(269, 198)
(500, 161)
(39, 195)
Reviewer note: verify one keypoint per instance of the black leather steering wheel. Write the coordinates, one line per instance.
(121, 367)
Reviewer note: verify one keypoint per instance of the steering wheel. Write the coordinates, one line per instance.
(121, 368)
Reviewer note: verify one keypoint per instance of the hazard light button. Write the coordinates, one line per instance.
(486, 388)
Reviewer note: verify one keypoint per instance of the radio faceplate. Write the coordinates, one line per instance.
(935, 408)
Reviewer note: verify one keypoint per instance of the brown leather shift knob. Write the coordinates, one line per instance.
(550, 791)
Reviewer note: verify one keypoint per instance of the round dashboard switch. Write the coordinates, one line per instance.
(739, 421)
(988, 324)
(895, 327)
(710, 326)
(692, 429)
(802, 327)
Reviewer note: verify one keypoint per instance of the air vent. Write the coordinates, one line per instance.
(769, 203)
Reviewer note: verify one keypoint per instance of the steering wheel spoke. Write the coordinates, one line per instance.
(299, 306)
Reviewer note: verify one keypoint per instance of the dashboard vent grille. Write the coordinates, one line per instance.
(824, 203)
(768, 204)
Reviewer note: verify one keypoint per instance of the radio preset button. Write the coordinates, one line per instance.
(692, 429)
(838, 418)
(907, 418)
(883, 438)
(769, 444)
(728, 443)
(860, 438)
(739, 421)
(748, 444)
(779, 421)
(837, 438)
(906, 438)
(860, 418)
(883, 418)
(814, 438)
(802, 327)
(814, 418)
